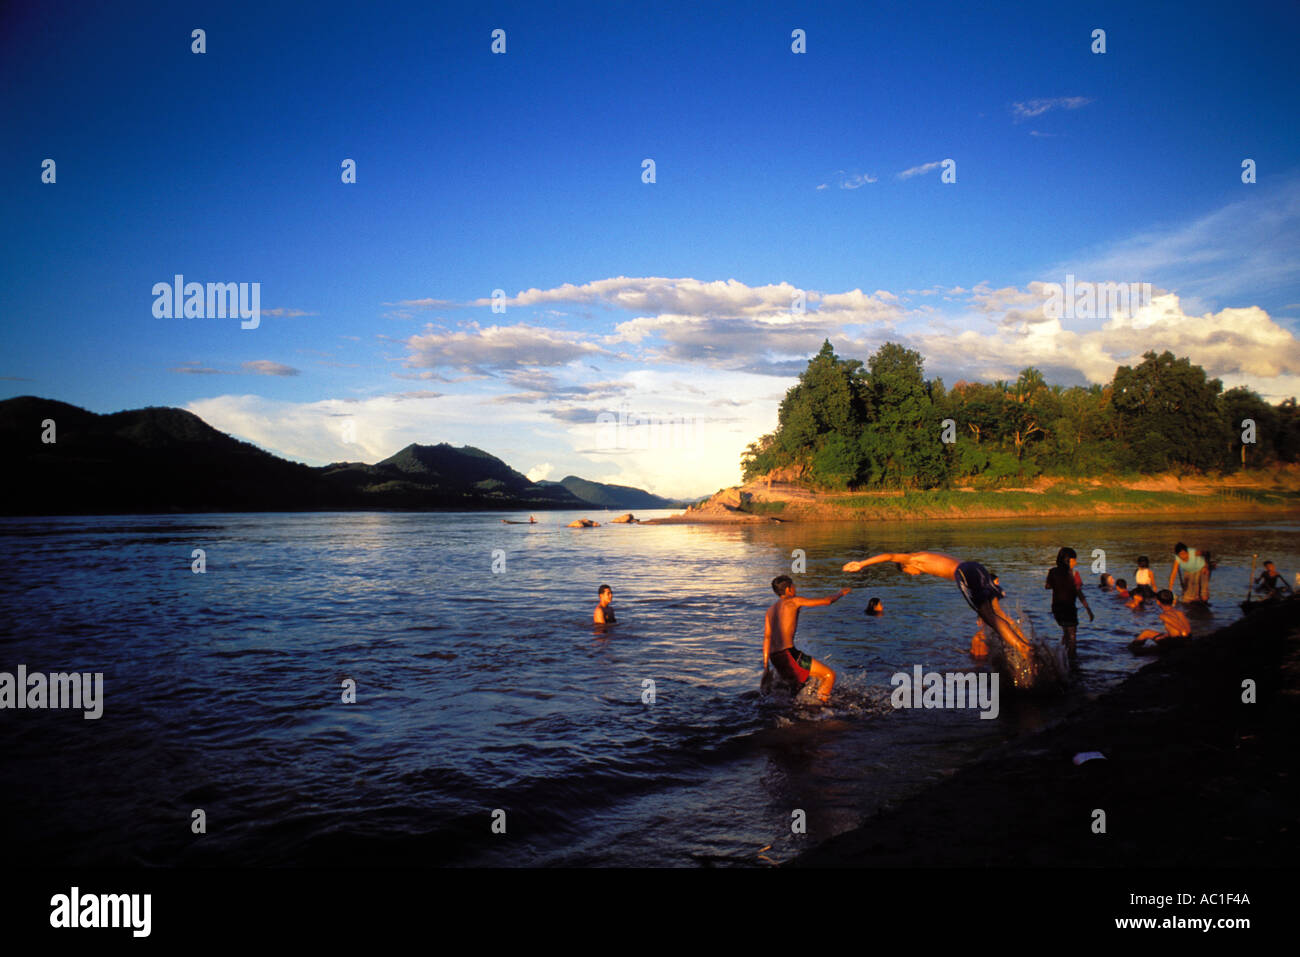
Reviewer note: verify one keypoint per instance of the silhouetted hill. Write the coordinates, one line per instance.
(166, 459)
(604, 495)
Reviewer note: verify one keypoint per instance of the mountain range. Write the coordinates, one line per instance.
(161, 459)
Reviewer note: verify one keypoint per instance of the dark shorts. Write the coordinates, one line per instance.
(1065, 615)
(793, 665)
(974, 579)
(1146, 591)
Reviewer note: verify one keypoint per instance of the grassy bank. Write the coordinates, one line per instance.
(1062, 500)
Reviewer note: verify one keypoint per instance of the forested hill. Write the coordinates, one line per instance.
(882, 424)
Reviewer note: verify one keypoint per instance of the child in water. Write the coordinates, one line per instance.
(1145, 579)
(875, 607)
(1064, 582)
(604, 615)
(1175, 622)
(1121, 588)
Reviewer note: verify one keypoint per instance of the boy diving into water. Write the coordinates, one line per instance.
(778, 630)
(1026, 664)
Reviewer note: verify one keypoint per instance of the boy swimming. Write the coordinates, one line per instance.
(779, 651)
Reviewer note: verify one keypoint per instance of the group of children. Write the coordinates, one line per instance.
(983, 592)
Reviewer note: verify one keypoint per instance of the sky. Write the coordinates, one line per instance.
(642, 332)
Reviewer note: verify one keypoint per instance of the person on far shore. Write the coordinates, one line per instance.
(1191, 566)
(1271, 584)
(779, 625)
(1064, 583)
(1175, 622)
(604, 614)
(875, 607)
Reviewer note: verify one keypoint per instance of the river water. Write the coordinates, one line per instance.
(484, 694)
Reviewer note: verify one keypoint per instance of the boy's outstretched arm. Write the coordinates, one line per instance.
(873, 560)
(829, 600)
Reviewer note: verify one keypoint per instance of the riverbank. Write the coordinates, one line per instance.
(1192, 775)
(1275, 493)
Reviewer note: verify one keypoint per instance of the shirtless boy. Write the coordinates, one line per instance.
(778, 639)
(976, 583)
(604, 615)
(1175, 622)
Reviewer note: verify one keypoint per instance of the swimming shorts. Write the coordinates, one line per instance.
(793, 665)
(974, 579)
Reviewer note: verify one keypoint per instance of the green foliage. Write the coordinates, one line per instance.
(878, 426)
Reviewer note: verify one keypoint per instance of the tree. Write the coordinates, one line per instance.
(1169, 413)
(1242, 406)
(901, 442)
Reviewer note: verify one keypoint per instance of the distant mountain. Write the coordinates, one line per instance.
(603, 495)
(166, 459)
(442, 476)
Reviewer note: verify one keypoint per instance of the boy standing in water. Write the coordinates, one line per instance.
(1063, 582)
(778, 639)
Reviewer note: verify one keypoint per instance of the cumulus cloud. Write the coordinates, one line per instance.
(1239, 345)
(661, 295)
(539, 473)
(476, 349)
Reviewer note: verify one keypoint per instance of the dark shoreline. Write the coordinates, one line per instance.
(1192, 777)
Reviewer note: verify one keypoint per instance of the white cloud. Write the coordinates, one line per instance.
(1032, 108)
(539, 473)
(496, 347)
(919, 170)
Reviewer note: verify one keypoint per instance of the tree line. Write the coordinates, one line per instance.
(884, 425)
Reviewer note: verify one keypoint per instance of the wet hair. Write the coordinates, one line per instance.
(1063, 557)
(1165, 596)
(873, 607)
(1180, 547)
(1267, 563)
(602, 589)
(1144, 562)
(1121, 583)
(781, 582)
(1106, 579)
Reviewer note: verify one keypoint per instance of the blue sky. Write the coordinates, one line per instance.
(663, 306)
